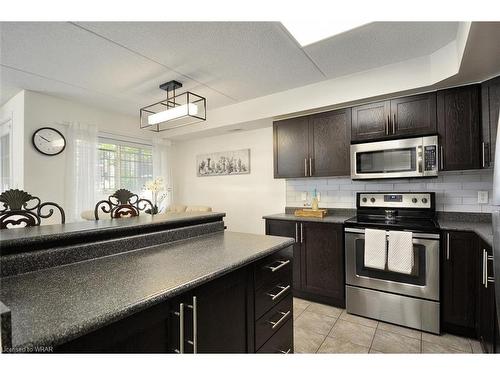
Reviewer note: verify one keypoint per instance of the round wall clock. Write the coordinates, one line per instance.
(49, 141)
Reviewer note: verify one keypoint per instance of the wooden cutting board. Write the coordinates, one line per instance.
(309, 212)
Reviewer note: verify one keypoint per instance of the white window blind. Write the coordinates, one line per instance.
(123, 165)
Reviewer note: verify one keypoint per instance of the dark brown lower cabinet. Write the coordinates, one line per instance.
(459, 283)
(318, 273)
(487, 324)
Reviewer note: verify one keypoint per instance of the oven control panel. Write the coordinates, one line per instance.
(395, 200)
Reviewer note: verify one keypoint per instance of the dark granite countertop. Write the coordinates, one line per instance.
(55, 305)
(483, 230)
(26, 237)
(338, 218)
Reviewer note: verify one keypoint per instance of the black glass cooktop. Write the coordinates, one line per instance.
(399, 223)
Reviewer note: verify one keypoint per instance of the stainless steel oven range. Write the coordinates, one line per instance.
(411, 297)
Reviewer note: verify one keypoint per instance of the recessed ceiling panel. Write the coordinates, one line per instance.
(378, 44)
(240, 59)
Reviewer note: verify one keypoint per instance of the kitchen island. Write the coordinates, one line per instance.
(132, 300)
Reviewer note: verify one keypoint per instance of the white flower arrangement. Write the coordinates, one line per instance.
(155, 186)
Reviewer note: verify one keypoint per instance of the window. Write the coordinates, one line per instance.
(123, 165)
(5, 156)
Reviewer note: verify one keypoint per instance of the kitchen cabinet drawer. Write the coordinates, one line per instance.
(281, 341)
(275, 268)
(273, 320)
(269, 295)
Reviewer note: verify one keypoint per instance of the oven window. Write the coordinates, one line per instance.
(387, 161)
(417, 276)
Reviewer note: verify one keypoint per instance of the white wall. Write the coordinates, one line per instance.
(14, 110)
(455, 191)
(244, 198)
(45, 175)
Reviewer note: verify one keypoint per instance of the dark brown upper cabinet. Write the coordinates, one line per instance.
(329, 143)
(490, 101)
(459, 128)
(414, 115)
(370, 121)
(313, 146)
(408, 116)
(291, 147)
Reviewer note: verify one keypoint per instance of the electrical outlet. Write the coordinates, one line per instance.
(482, 197)
(304, 196)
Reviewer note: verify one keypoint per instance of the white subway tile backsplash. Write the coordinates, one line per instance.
(455, 191)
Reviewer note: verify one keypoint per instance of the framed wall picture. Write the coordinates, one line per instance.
(223, 163)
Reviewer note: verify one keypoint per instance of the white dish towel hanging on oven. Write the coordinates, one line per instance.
(375, 248)
(400, 254)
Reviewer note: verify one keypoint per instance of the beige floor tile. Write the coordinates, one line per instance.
(401, 330)
(313, 322)
(460, 343)
(358, 319)
(389, 342)
(429, 347)
(300, 303)
(353, 332)
(337, 345)
(476, 347)
(306, 341)
(319, 308)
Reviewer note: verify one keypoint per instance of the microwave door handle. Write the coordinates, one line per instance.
(420, 158)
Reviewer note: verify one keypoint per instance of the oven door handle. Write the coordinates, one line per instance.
(420, 159)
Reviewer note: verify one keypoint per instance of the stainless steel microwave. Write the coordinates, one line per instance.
(399, 158)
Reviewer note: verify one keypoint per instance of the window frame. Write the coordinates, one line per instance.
(120, 141)
(6, 130)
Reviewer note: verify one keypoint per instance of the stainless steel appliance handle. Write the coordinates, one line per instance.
(448, 246)
(285, 351)
(296, 232)
(415, 235)
(180, 314)
(394, 123)
(484, 267)
(283, 317)
(282, 263)
(277, 295)
(387, 120)
(305, 167)
(484, 159)
(441, 157)
(301, 233)
(420, 159)
(310, 167)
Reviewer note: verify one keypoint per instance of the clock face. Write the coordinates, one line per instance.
(49, 141)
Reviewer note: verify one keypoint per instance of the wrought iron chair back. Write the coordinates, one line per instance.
(122, 203)
(20, 209)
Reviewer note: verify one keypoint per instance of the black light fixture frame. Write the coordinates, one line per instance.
(170, 87)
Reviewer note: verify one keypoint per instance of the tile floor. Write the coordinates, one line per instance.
(325, 329)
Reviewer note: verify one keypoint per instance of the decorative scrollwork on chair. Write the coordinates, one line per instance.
(21, 209)
(122, 203)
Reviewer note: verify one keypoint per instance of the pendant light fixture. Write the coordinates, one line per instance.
(175, 111)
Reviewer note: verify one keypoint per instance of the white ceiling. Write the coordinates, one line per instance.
(119, 65)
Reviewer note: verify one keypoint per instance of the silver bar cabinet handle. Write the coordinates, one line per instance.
(301, 233)
(285, 352)
(282, 263)
(283, 317)
(310, 167)
(484, 154)
(283, 290)
(180, 314)
(393, 123)
(387, 122)
(484, 267)
(195, 325)
(441, 159)
(296, 232)
(447, 246)
(305, 167)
